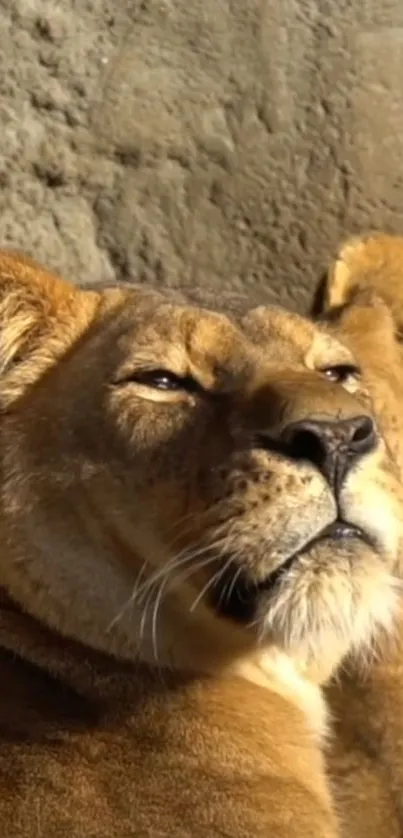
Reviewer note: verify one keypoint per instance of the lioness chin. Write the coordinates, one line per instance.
(200, 500)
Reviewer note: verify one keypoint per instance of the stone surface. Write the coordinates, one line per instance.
(216, 142)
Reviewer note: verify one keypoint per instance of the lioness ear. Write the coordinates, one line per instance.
(372, 263)
(32, 300)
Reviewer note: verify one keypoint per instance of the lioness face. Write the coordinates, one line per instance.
(175, 481)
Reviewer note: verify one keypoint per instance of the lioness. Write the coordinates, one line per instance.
(193, 514)
(363, 305)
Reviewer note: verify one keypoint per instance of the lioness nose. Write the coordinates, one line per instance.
(333, 447)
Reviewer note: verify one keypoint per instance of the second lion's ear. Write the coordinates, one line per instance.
(363, 300)
(368, 265)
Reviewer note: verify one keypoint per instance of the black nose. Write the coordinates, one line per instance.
(333, 447)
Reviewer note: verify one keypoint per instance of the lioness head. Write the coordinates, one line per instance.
(185, 488)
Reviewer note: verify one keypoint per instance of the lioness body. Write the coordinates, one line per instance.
(156, 509)
(109, 750)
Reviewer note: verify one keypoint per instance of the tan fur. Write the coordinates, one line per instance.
(364, 295)
(133, 703)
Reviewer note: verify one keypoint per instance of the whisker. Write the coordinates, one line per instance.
(154, 631)
(142, 592)
(144, 617)
(130, 601)
(200, 516)
(233, 584)
(213, 581)
(184, 557)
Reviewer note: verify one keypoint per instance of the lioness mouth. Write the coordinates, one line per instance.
(235, 594)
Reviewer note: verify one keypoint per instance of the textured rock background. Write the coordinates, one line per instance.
(224, 142)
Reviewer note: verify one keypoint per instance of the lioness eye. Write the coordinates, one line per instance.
(166, 380)
(341, 372)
